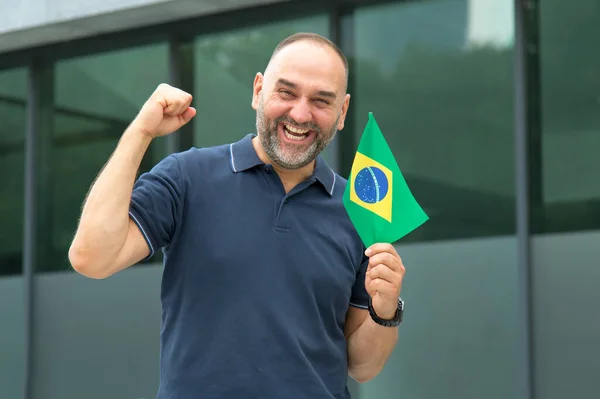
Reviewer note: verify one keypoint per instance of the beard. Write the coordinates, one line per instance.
(290, 156)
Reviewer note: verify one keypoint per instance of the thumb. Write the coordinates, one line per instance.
(187, 115)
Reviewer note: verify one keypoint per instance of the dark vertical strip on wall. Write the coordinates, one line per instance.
(30, 217)
(30, 221)
(344, 34)
(532, 72)
(39, 129)
(181, 75)
(334, 36)
(528, 173)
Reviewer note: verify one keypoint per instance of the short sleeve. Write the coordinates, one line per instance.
(360, 296)
(156, 203)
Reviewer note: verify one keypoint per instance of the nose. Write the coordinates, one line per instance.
(300, 111)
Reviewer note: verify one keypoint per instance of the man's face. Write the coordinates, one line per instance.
(300, 103)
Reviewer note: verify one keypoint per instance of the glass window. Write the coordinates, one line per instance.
(565, 266)
(225, 67)
(438, 77)
(570, 115)
(95, 98)
(13, 106)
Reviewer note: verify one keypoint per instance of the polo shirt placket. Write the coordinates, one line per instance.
(282, 200)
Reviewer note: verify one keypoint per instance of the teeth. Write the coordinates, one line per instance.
(296, 130)
(293, 137)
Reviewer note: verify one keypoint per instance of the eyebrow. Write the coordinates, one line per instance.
(293, 85)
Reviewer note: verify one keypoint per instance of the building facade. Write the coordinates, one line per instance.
(491, 107)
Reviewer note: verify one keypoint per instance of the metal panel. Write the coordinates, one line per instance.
(528, 175)
(29, 240)
(348, 143)
(39, 119)
(181, 75)
(44, 22)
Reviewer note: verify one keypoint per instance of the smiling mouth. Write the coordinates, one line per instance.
(295, 133)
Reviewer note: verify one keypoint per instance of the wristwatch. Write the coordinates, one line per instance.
(395, 322)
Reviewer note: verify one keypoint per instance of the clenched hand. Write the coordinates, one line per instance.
(167, 110)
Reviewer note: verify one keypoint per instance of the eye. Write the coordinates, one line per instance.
(286, 93)
(322, 101)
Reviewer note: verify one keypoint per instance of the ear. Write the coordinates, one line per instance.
(257, 88)
(345, 106)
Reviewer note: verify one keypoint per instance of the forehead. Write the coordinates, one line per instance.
(308, 63)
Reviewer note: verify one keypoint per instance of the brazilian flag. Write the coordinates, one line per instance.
(377, 198)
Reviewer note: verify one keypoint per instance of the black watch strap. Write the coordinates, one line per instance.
(395, 322)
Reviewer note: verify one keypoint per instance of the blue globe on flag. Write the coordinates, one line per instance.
(371, 185)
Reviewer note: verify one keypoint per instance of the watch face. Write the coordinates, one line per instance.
(400, 311)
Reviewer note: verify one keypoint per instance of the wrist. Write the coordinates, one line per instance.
(132, 147)
(139, 126)
(139, 134)
(385, 319)
(386, 315)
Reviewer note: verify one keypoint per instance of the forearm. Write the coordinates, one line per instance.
(103, 226)
(369, 347)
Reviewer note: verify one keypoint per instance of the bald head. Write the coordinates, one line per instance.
(330, 50)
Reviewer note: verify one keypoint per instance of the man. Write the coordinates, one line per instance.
(266, 284)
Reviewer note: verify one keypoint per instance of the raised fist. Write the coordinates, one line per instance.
(167, 110)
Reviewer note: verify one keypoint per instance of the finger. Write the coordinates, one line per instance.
(182, 94)
(169, 104)
(385, 258)
(187, 115)
(185, 100)
(177, 104)
(161, 89)
(379, 248)
(382, 287)
(384, 273)
(162, 95)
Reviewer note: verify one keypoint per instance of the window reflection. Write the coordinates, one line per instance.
(570, 115)
(13, 103)
(438, 77)
(95, 99)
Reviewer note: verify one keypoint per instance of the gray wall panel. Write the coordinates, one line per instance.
(97, 339)
(459, 338)
(12, 337)
(567, 319)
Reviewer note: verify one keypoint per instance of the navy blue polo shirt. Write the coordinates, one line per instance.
(256, 282)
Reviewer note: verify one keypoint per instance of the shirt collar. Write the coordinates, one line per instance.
(324, 175)
(242, 156)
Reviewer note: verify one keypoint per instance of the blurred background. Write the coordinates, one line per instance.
(491, 107)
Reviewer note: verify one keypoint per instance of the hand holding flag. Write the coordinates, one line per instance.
(383, 210)
(383, 279)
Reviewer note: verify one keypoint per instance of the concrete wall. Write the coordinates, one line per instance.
(460, 335)
(566, 315)
(460, 338)
(100, 339)
(29, 23)
(12, 337)
(96, 339)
